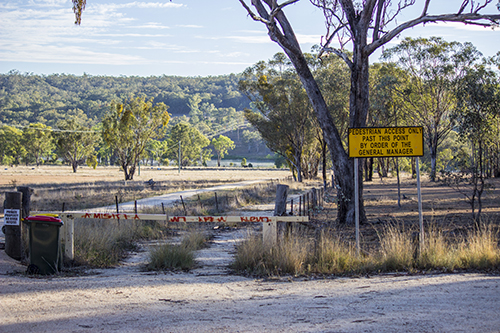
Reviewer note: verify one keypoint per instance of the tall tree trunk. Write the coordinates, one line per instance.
(413, 167)
(342, 165)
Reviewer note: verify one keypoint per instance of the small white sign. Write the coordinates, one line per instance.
(11, 216)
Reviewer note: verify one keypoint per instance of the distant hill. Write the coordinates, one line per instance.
(27, 98)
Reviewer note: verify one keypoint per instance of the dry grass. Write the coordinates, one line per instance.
(103, 243)
(290, 257)
(337, 257)
(397, 248)
(329, 254)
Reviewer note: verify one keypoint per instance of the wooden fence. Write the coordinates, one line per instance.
(269, 223)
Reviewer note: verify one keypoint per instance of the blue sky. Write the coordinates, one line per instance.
(179, 37)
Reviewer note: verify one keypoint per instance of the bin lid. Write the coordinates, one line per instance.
(42, 218)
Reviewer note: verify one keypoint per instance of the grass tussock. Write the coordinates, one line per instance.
(480, 250)
(176, 256)
(397, 249)
(328, 254)
(335, 256)
(438, 252)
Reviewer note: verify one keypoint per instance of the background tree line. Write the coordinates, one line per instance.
(132, 131)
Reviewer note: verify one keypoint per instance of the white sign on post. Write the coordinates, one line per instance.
(11, 216)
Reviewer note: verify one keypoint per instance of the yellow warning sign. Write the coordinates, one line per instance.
(386, 141)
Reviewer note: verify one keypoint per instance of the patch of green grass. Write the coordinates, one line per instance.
(176, 256)
(170, 257)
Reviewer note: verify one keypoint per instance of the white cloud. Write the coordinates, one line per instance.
(130, 35)
(137, 4)
(152, 25)
(240, 39)
(189, 26)
(67, 55)
(309, 39)
(49, 3)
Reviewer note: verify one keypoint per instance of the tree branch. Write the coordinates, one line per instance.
(469, 18)
(378, 19)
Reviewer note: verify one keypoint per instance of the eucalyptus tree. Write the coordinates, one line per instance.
(12, 151)
(76, 140)
(477, 113)
(365, 26)
(252, 139)
(128, 127)
(222, 145)
(282, 113)
(187, 145)
(433, 67)
(38, 141)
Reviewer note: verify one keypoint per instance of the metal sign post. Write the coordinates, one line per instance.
(420, 217)
(356, 204)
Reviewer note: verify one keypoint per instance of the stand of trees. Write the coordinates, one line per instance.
(365, 26)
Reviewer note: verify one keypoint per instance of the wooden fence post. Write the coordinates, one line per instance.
(281, 197)
(69, 242)
(13, 201)
(183, 206)
(25, 212)
(216, 203)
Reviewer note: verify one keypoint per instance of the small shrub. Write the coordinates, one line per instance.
(194, 240)
(176, 256)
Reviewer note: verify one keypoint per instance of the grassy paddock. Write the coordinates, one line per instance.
(329, 254)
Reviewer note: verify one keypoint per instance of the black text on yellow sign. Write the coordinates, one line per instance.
(386, 141)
